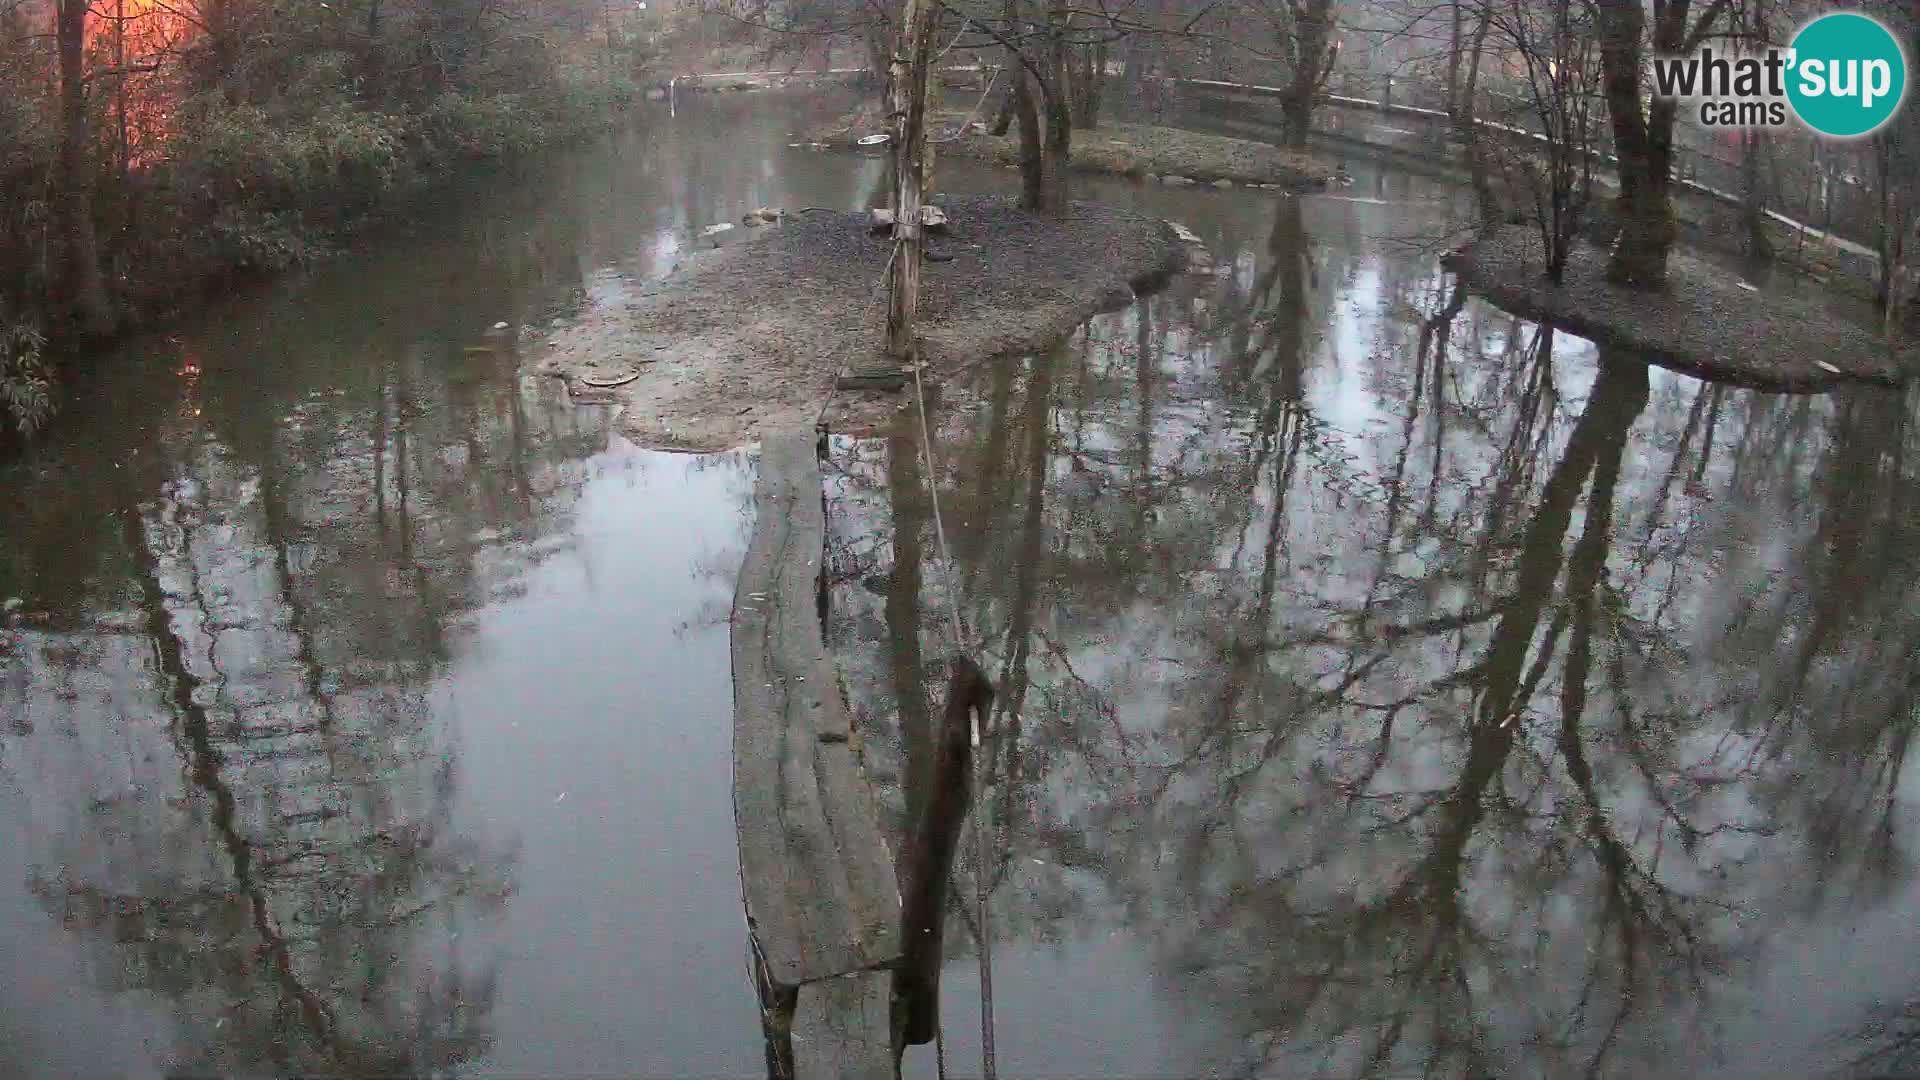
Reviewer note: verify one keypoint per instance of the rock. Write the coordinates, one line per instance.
(715, 230)
(1223, 183)
(500, 326)
(1176, 180)
(932, 217)
(766, 215)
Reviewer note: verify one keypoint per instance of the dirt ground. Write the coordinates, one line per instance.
(1164, 154)
(750, 335)
(1706, 323)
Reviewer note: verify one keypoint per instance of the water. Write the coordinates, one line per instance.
(1394, 688)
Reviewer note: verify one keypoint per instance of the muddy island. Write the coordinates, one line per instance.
(1144, 151)
(748, 334)
(1707, 322)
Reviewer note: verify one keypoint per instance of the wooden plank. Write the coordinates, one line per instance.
(840, 1029)
(820, 890)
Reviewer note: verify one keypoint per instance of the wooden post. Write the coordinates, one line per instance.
(907, 100)
(916, 984)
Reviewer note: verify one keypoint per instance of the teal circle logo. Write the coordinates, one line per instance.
(1848, 75)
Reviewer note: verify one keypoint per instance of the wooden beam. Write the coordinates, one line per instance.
(840, 1028)
(820, 890)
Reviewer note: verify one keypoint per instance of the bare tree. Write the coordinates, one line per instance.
(85, 289)
(1642, 129)
(1555, 44)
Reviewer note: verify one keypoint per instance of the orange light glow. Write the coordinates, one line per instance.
(135, 41)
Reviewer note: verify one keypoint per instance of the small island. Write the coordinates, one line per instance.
(1146, 151)
(1706, 322)
(750, 334)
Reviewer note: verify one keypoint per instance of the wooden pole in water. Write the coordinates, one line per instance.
(933, 841)
(907, 102)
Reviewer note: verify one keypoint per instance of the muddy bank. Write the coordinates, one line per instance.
(1164, 154)
(747, 337)
(1706, 323)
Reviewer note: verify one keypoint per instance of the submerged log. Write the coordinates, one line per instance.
(935, 838)
(840, 1028)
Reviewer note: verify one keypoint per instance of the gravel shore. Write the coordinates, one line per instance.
(1706, 323)
(1141, 150)
(749, 335)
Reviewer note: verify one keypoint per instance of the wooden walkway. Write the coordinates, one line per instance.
(822, 902)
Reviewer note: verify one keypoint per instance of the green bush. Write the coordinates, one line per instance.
(238, 239)
(26, 378)
(459, 126)
(245, 156)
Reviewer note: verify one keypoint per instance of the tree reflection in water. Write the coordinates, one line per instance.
(1436, 695)
(241, 797)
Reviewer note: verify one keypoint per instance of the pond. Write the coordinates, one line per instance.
(1387, 686)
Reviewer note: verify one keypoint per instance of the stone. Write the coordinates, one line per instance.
(1176, 180)
(1223, 183)
(932, 217)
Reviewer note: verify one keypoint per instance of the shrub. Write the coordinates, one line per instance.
(26, 379)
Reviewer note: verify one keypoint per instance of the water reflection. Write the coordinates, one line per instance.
(1386, 684)
(1410, 688)
(356, 679)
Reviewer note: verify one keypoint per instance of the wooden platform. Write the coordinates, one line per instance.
(821, 897)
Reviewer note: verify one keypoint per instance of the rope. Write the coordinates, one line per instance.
(988, 1053)
(940, 529)
(833, 388)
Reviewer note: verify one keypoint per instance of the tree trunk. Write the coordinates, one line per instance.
(1096, 87)
(1753, 201)
(876, 38)
(1454, 53)
(1086, 86)
(907, 100)
(931, 844)
(1310, 41)
(1033, 166)
(1643, 145)
(1003, 119)
(84, 291)
(1056, 189)
(1467, 123)
(1033, 163)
